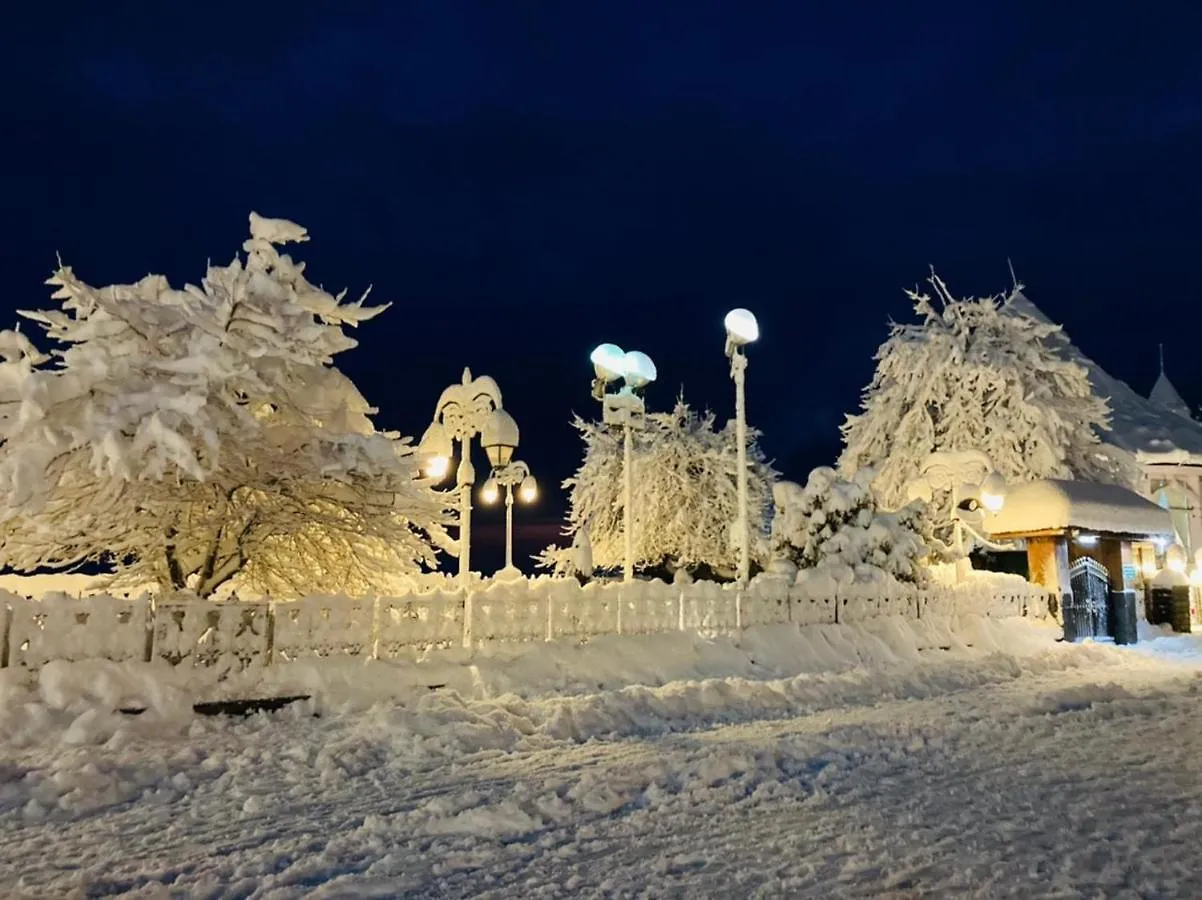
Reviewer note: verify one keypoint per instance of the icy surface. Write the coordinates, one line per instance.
(838, 761)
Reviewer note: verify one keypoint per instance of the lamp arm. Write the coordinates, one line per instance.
(992, 545)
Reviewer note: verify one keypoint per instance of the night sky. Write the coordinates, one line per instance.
(525, 180)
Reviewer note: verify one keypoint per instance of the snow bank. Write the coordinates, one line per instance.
(667, 677)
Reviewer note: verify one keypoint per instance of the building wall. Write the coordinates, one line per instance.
(1178, 488)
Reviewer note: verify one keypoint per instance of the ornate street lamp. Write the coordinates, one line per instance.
(463, 411)
(514, 474)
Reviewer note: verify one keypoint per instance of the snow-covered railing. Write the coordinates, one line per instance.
(185, 631)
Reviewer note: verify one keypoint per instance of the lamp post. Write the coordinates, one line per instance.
(511, 475)
(623, 408)
(741, 329)
(969, 476)
(463, 411)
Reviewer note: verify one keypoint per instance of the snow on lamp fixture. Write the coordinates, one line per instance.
(992, 492)
(609, 362)
(639, 369)
(528, 491)
(499, 437)
(435, 451)
(741, 327)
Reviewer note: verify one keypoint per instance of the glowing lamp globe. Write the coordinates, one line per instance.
(1174, 558)
(528, 490)
(490, 492)
(435, 451)
(609, 362)
(993, 492)
(499, 436)
(640, 370)
(741, 327)
(436, 467)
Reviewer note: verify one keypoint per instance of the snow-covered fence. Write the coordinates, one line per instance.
(232, 636)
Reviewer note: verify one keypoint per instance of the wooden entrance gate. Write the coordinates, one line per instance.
(1085, 612)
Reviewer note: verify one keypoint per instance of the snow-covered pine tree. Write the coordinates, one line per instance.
(685, 494)
(833, 528)
(191, 436)
(976, 374)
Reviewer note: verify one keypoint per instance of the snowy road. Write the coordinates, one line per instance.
(997, 776)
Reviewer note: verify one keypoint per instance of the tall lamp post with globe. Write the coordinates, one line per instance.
(741, 330)
(623, 408)
(465, 410)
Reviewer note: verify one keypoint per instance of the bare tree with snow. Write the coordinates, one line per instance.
(193, 436)
(976, 374)
(685, 495)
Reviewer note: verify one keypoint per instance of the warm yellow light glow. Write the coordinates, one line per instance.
(490, 492)
(1149, 569)
(1195, 577)
(528, 492)
(1174, 558)
(437, 467)
(993, 492)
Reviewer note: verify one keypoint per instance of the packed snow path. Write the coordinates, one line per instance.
(1067, 773)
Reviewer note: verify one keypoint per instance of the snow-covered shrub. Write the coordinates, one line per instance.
(832, 528)
(976, 374)
(685, 496)
(195, 435)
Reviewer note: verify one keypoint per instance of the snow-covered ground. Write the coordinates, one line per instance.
(836, 761)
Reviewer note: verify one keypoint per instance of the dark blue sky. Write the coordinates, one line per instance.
(528, 179)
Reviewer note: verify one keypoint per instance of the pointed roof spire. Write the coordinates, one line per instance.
(1165, 395)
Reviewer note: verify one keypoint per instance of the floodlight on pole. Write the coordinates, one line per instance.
(625, 409)
(741, 329)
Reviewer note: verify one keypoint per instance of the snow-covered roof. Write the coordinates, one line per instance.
(1164, 394)
(1140, 426)
(1052, 505)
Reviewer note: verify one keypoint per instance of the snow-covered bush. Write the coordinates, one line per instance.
(191, 436)
(685, 495)
(832, 528)
(976, 374)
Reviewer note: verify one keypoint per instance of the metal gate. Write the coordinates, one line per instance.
(1085, 611)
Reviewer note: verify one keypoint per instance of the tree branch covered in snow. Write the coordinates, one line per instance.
(832, 528)
(685, 496)
(976, 374)
(196, 435)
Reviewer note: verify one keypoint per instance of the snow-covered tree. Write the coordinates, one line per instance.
(191, 436)
(976, 374)
(832, 527)
(685, 496)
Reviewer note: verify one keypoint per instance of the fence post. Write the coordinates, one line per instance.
(269, 634)
(8, 627)
(680, 610)
(836, 607)
(619, 593)
(467, 618)
(152, 606)
(739, 609)
(373, 650)
(550, 615)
